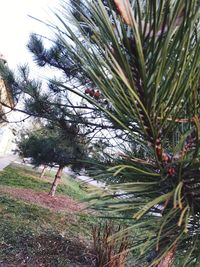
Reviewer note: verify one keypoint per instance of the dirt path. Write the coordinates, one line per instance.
(57, 203)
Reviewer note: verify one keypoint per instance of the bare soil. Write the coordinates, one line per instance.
(58, 203)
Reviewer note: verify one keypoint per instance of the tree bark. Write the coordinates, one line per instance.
(168, 260)
(56, 181)
(43, 171)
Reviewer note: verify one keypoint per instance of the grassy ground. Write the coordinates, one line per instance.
(26, 177)
(35, 236)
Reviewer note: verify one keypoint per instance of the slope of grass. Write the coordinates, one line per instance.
(28, 178)
(34, 236)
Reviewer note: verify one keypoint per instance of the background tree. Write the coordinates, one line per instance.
(60, 106)
(49, 100)
(144, 59)
(52, 146)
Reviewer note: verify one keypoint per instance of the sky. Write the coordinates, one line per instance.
(15, 29)
(16, 26)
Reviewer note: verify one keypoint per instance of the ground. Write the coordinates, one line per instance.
(38, 230)
(59, 203)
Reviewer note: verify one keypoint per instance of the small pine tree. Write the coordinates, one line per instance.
(52, 146)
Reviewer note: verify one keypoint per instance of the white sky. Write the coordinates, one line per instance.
(16, 26)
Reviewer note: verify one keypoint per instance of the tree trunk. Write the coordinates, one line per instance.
(43, 171)
(56, 181)
(168, 260)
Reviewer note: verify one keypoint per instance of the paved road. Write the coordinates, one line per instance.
(6, 160)
(89, 180)
(84, 178)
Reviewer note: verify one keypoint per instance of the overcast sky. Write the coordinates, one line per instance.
(15, 26)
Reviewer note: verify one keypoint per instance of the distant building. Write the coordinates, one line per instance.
(6, 101)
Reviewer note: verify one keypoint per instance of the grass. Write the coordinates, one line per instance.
(34, 236)
(16, 176)
(27, 230)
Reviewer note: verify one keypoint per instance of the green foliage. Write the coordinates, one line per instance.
(144, 58)
(51, 146)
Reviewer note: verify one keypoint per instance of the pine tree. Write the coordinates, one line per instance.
(50, 146)
(56, 100)
(143, 57)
